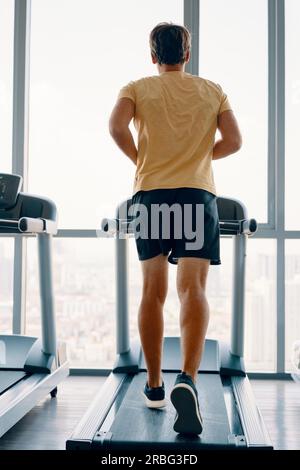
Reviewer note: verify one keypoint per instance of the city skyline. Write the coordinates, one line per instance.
(85, 300)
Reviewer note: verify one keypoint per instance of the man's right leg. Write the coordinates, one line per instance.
(194, 311)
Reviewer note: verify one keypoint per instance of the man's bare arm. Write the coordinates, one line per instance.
(119, 122)
(231, 139)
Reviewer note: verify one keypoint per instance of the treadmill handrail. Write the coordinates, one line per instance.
(227, 227)
(8, 224)
(29, 225)
(238, 225)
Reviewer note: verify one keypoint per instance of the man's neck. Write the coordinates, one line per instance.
(170, 68)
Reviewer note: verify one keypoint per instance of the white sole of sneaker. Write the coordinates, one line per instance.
(188, 419)
(154, 404)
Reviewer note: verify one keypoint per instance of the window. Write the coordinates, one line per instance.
(260, 324)
(292, 91)
(6, 283)
(82, 53)
(76, 73)
(6, 82)
(84, 290)
(218, 290)
(260, 308)
(219, 293)
(233, 53)
(292, 298)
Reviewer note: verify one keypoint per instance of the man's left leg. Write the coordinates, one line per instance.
(151, 323)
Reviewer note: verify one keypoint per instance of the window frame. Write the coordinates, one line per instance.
(274, 227)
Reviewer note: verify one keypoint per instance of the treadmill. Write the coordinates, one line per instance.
(118, 418)
(30, 367)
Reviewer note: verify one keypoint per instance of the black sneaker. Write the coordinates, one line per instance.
(155, 396)
(184, 397)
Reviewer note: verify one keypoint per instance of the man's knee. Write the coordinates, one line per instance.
(154, 291)
(155, 279)
(191, 290)
(191, 278)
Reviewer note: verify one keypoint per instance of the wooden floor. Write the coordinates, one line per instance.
(50, 423)
(279, 403)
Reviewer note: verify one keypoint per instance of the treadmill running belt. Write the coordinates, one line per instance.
(9, 378)
(136, 425)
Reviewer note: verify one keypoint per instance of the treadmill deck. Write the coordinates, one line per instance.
(140, 426)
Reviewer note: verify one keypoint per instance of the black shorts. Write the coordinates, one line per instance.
(173, 246)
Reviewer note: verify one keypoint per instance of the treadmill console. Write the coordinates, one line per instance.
(10, 186)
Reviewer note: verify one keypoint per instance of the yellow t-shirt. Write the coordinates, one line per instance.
(176, 120)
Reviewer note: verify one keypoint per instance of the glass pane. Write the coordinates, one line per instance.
(241, 68)
(76, 73)
(292, 298)
(292, 90)
(6, 284)
(6, 82)
(218, 291)
(84, 298)
(260, 325)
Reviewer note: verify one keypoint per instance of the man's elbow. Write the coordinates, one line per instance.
(115, 130)
(236, 144)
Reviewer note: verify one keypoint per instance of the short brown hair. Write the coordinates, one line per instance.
(169, 43)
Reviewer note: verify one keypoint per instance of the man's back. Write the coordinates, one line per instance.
(176, 119)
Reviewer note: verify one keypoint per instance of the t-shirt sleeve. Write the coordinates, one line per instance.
(128, 91)
(224, 102)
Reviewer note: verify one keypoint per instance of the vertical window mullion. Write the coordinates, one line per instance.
(277, 157)
(20, 147)
(191, 20)
(280, 183)
(272, 56)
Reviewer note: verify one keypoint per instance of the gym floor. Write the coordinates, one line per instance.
(50, 423)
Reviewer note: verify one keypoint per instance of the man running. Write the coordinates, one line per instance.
(176, 115)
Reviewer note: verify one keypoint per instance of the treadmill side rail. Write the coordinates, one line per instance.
(82, 437)
(24, 395)
(253, 426)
